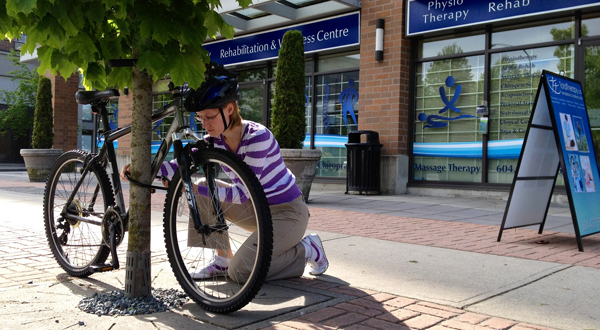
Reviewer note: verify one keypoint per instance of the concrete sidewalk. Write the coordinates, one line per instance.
(397, 262)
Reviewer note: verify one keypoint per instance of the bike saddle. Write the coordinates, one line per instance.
(88, 97)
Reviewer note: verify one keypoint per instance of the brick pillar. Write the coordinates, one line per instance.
(65, 111)
(384, 89)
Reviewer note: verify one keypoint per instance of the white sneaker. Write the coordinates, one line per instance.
(217, 267)
(318, 262)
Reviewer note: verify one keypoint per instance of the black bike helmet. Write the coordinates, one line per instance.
(219, 88)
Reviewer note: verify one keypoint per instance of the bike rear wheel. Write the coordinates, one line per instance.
(77, 245)
(248, 234)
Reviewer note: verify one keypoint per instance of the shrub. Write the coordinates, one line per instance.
(43, 127)
(289, 107)
(18, 116)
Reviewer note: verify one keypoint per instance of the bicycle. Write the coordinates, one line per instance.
(86, 218)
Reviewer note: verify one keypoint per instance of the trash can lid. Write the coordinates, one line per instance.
(372, 136)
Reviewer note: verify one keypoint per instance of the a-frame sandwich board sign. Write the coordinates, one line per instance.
(558, 136)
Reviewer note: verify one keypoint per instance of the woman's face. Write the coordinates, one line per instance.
(212, 121)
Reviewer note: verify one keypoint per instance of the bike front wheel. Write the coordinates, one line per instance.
(76, 244)
(236, 224)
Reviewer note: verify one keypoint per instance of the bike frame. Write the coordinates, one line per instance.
(178, 130)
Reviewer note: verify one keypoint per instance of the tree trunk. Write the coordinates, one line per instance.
(137, 281)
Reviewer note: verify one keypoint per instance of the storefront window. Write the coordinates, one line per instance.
(448, 143)
(561, 30)
(590, 26)
(447, 138)
(308, 68)
(160, 128)
(337, 115)
(252, 75)
(251, 103)
(86, 139)
(86, 112)
(513, 85)
(431, 47)
(338, 62)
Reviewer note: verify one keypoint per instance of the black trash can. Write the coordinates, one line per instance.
(363, 163)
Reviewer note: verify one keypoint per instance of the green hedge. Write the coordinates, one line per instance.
(43, 126)
(289, 107)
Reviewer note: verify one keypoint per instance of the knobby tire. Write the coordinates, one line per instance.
(76, 245)
(188, 254)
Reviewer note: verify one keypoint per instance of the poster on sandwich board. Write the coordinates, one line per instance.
(558, 137)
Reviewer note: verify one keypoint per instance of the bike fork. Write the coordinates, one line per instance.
(184, 161)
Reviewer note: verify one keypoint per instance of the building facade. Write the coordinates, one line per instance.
(450, 98)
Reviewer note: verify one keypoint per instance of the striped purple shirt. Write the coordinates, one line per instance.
(259, 149)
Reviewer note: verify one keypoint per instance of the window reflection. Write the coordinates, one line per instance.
(253, 74)
(590, 26)
(448, 93)
(251, 104)
(532, 35)
(515, 77)
(337, 115)
(432, 47)
(338, 62)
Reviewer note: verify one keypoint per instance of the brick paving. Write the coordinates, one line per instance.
(519, 243)
(374, 310)
(25, 257)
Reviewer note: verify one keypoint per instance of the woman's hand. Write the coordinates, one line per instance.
(125, 170)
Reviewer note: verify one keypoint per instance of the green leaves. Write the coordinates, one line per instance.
(69, 35)
(154, 63)
(189, 66)
(216, 24)
(83, 45)
(13, 7)
(120, 76)
(17, 116)
(94, 76)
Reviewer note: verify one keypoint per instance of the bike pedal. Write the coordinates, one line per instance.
(101, 268)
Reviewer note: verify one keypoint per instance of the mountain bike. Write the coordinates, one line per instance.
(86, 217)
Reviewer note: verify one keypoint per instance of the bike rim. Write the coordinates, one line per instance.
(80, 245)
(192, 256)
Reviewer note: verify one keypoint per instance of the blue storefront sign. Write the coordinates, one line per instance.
(331, 33)
(424, 16)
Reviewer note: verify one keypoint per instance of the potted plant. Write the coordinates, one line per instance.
(288, 122)
(40, 159)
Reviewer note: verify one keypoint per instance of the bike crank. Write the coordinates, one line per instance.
(112, 235)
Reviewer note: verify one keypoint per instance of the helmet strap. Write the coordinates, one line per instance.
(224, 122)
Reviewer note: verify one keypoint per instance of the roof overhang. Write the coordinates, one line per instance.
(268, 14)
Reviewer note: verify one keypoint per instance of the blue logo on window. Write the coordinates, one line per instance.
(435, 121)
(348, 97)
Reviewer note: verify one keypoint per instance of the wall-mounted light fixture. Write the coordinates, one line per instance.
(379, 39)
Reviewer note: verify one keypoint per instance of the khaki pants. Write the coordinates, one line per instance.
(290, 221)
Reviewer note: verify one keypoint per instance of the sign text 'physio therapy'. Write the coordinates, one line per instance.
(434, 15)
